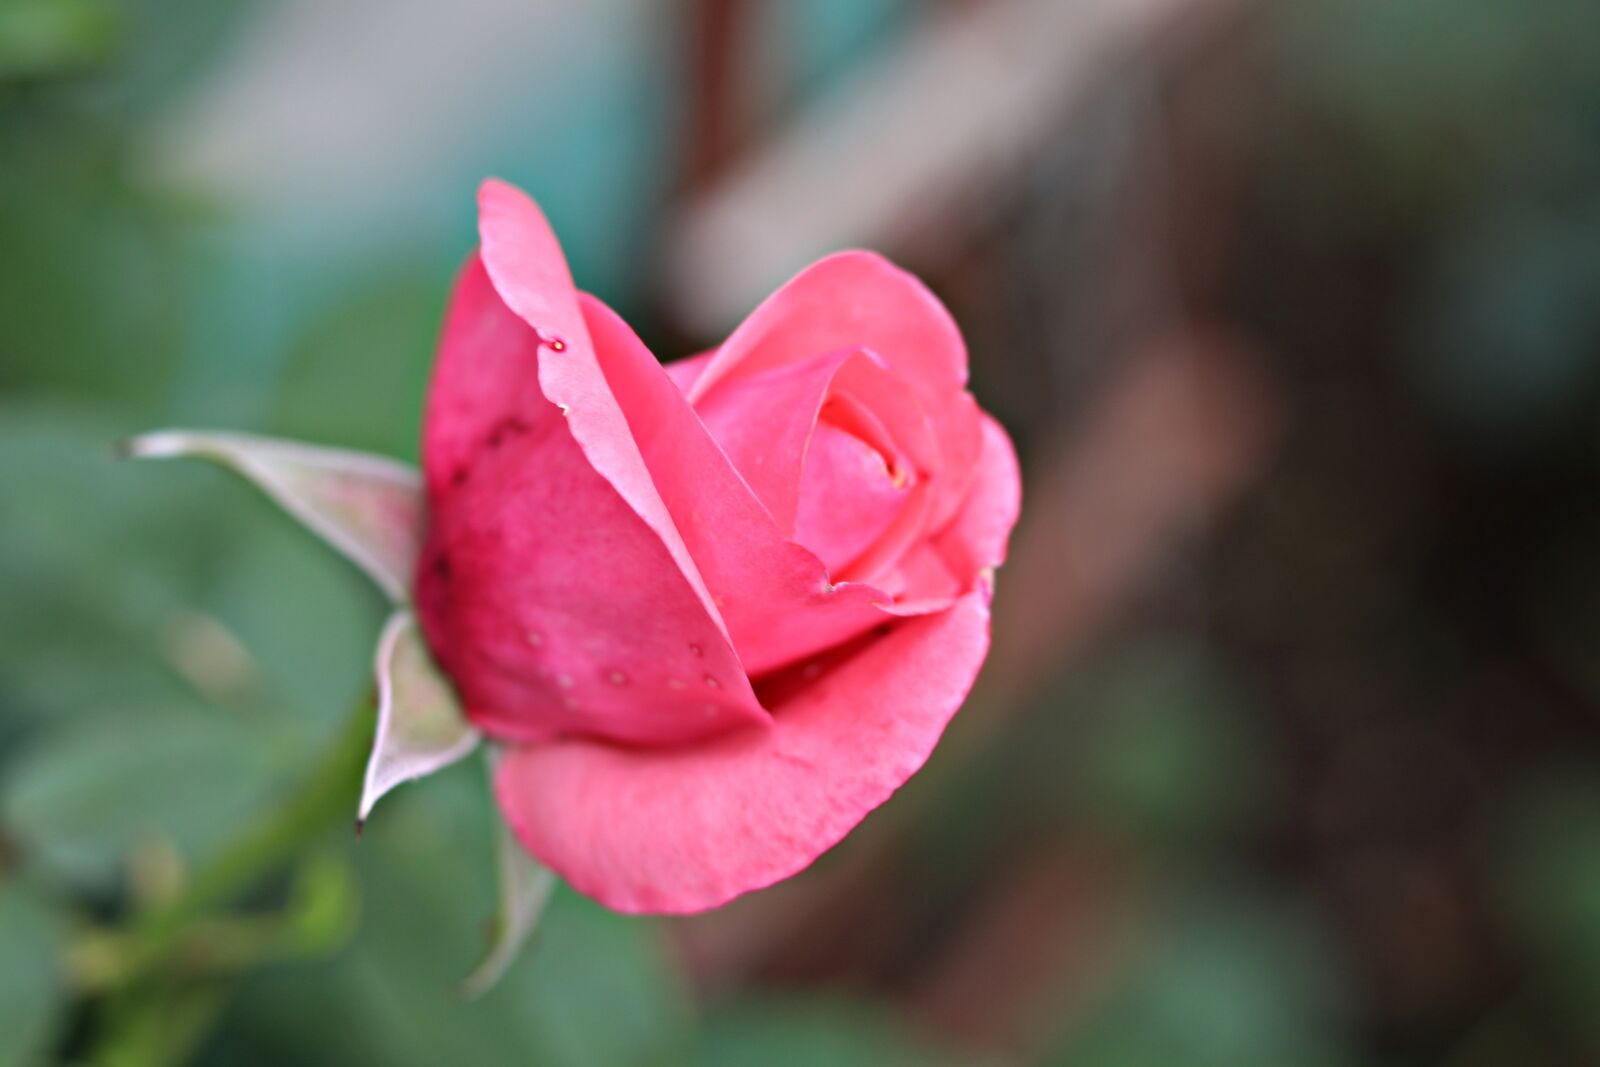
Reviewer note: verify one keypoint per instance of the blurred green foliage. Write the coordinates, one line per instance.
(46, 37)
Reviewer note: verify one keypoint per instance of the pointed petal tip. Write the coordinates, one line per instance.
(496, 186)
(496, 197)
(157, 444)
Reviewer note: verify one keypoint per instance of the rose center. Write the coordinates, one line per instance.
(851, 490)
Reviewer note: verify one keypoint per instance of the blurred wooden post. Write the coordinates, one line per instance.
(905, 154)
(714, 47)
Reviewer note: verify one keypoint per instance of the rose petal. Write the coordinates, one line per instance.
(763, 423)
(544, 595)
(689, 828)
(848, 497)
(867, 396)
(976, 537)
(958, 426)
(859, 299)
(684, 372)
(922, 575)
(774, 595)
(847, 300)
(529, 272)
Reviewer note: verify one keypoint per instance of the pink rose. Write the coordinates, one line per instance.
(718, 611)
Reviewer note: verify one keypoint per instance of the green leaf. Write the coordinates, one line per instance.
(368, 507)
(421, 727)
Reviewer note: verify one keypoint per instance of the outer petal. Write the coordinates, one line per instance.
(523, 528)
(529, 272)
(850, 299)
(976, 537)
(774, 595)
(973, 543)
(690, 828)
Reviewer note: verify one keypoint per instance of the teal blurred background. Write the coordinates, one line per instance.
(1288, 752)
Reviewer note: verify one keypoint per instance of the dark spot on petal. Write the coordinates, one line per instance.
(504, 429)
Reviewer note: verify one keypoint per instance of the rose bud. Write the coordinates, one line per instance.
(709, 614)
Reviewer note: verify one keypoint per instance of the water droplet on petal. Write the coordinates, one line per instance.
(534, 638)
(617, 678)
(564, 681)
(696, 649)
(675, 683)
(712, 683)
